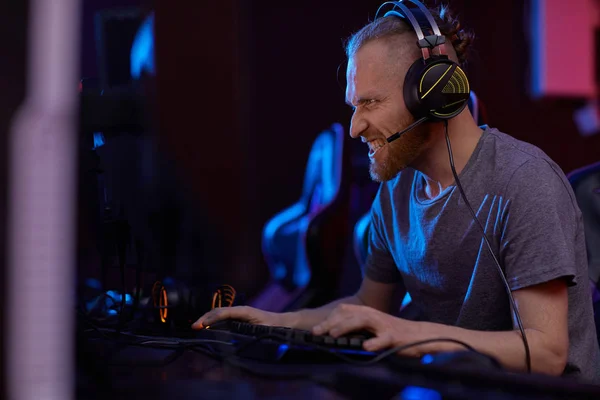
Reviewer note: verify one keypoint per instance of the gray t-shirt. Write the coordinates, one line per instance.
(533, 223)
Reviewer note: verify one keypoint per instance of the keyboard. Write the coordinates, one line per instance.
(294, 336)
(282, 343)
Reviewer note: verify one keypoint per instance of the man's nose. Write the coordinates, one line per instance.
(357, 126)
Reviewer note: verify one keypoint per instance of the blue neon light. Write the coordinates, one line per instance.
(406, 301)
(278, 220)
(419, 393)
(537, 30)
(427, 359)
(142, 50)
(98, 140)
(283, 348)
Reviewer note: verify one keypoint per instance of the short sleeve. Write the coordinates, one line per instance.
(379, 265)
(540, 232)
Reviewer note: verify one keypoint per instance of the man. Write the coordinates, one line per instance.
(424, 241)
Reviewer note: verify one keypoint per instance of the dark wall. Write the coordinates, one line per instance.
(200, 86)
(241, 98)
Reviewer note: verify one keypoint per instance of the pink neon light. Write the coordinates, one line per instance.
(568, 59)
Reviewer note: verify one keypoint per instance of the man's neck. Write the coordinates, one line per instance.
(434, 162)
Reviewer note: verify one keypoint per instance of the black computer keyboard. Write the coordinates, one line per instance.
(293, 336)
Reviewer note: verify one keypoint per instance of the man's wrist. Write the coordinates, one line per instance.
(289, 319)
(432, 331)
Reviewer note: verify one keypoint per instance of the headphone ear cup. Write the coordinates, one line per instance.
(411, 89)
(438, 89)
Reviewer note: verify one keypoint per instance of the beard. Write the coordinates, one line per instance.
(399, 154)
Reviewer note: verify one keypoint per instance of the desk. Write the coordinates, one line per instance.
(107, 370)
(146, 373)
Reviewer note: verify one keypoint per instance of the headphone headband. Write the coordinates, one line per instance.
(430, 19)
(426, 43)
(407, 14)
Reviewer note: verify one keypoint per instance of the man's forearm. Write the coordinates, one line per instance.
(507, 347)
(307, 318)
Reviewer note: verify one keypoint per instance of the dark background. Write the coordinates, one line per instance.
(243, 89)
(258, 80)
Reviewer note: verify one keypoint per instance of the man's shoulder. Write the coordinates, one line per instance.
(527, 169)
(518, 161)
(513, 150)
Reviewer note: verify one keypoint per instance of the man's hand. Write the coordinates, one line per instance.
(543, 310)
(242, 313)
(389, 331)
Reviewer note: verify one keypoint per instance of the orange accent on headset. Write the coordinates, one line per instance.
(164, 303)
(225, 294)
(160, 300)
(216, 295)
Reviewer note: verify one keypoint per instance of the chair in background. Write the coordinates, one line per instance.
(586, 186)
(477, 109)
(361, 238)
(303, 244)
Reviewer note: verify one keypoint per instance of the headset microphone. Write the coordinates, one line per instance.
(410, 127)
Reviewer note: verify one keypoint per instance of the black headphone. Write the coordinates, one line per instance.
(435, 87)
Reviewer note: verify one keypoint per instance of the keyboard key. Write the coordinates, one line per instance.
(263, 330)
(299, 337)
